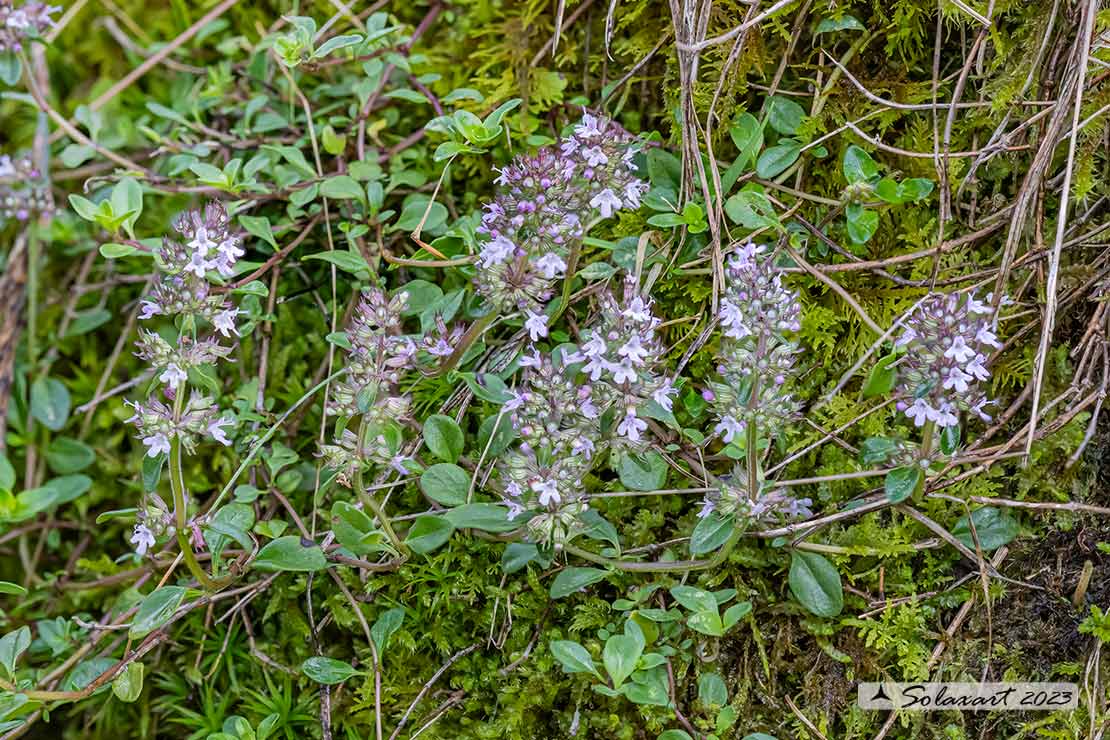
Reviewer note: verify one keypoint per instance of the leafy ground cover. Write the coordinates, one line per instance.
(540, 369)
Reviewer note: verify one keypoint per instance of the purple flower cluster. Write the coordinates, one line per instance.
(946, 343)
(622, 357)
(157, 423)
(545, 203)
(757, 314)
(378, 357)
(771, 505)
(184, 293)
(208, 246)
(28, 21)
(23, 192)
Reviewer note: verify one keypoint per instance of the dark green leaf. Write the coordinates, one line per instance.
(900, 483)
(290, 553)
(573, 579)
(815, 583)
(156, 610)
(443, 437)
(711, 532)
(328, 671)
(445, 483)
(429, 533)
(994, 527)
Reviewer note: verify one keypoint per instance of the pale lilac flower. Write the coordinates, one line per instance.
(589, 127)
(606, 203)
(633, 350)
(921, 412)
(156, 444)
(533, 360)
(728, 428)
(583, 446)
(637, 310)
(662, 396)
(142, 538)
(496, 251)
(977, 369)
(397, 462)
(959, 351)
(988, 337)
(594, 156)
(536, 324)
(907, 336)
(946, 416)
(173, 375)
(623, 372)
(957, 379)
(551, 265)
(216, 430)
(148, 309)
(224, 322)
(548, 491)
(631, 426)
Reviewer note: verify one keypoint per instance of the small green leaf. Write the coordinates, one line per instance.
(259, 226)
(429, 533)
(328, 671)
(776, 159)
(445, 483)
(642, 471)
(877, 450)
(862, 223)
(7, 587)
(50, 403)
(950, 439)
(7, 473)
(487, 387)
(128, 683)
(443, 437)
(290, 553)
(156, 610)
(385, 626)
(573, 579)
(346, 261)
(747, 134)
(900, 483)
(342, 187)
(67, 455)
(843, 23)
(816, 584)
(621, 654)
(517, 555)
(784, 115)
(115, 251)
(858, 166)
(882, 378)
(11, 68)
(993, 526)
(573, 657)
(711, 532)
(485, 516)
(12, 645)
(712, 690)
(695, 599)
(735, 613)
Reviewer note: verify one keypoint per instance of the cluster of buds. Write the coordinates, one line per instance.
(28, 21)
(184, 291)
(154, 521)
(622, 356)
(757, 313)
(772, 505)
(347, 455)
(545, 203)
(946, 343)
(157, 424)
(23, 191)
(378, 357)
(185, 294)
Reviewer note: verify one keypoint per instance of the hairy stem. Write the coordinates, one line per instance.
(180, 499)
(370, 502)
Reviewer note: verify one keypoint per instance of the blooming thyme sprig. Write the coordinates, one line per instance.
(623, 357)
(28, 21)
(376, 361)
(771, 505)
(543, 206)
(23, 191)
(184, 291)
(946, 343)
(758, 314)
(559, 428)
(183, 294)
